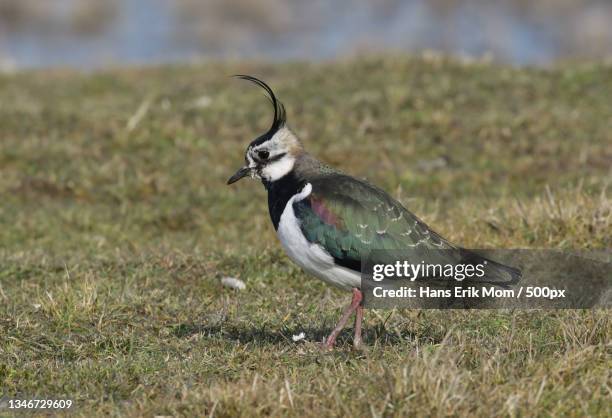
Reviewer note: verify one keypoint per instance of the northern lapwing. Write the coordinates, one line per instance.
(328, 221)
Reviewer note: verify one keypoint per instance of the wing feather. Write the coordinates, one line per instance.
(350, 217)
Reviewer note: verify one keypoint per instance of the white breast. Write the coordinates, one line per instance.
(311, 257)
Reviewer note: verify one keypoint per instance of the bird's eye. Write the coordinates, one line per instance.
(263, 154)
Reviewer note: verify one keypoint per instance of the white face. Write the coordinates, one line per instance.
(273, 159)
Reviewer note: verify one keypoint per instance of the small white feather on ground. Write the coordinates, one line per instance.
(233, 283)
(298, 337)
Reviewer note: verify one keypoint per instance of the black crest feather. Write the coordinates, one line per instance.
(280, 117)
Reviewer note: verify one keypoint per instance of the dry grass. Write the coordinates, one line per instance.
(117, 226)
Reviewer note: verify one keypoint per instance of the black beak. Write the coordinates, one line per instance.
(243, 172)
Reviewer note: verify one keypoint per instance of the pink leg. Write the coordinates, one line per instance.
(355, 304)
(358, 319)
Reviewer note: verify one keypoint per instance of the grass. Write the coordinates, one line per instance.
(116, 226)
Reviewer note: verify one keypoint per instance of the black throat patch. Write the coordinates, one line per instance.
(279, 193)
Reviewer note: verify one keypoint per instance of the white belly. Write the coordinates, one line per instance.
(311, 257)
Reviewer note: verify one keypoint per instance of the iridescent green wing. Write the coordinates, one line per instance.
(349, 218)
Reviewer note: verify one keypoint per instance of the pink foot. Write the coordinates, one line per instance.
(355, 306)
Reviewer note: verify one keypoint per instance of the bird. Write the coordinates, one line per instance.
(328, 221)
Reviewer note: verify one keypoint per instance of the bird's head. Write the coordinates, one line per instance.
(272, 155)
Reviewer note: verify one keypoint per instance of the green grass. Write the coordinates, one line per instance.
(116, 226)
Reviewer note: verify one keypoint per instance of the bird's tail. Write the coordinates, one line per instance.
(494, 273)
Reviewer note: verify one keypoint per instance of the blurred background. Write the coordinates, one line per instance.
(89, 34)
